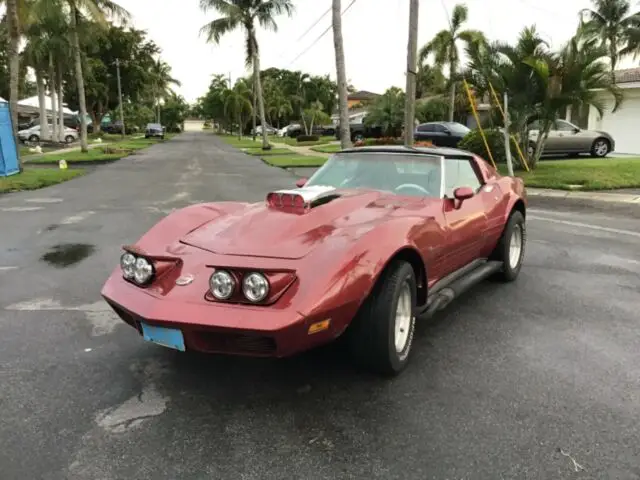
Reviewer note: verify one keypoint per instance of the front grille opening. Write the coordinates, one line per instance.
(219, 342)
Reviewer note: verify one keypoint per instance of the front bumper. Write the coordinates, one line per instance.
(216, 328)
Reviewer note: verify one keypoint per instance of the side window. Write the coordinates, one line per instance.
(438, 128)
(460, 173)
(563, 126)
(425, 128)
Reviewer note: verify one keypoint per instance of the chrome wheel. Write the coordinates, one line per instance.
(515, 246)
(601, 148)
(403, 318)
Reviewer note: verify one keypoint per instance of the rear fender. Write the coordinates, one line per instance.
(183, 221)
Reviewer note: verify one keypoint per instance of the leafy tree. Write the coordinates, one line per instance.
(247, 15)
(387, 112)
(237, 103)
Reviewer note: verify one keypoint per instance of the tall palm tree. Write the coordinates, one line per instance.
(14, 64)
(247, 15)
(162, 80)
(98, 11)
(444, 48)
(615, 25)
(341, 73)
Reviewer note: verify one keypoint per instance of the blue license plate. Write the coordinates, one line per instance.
(167, 337)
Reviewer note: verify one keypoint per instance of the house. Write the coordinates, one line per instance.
(622, 124)
(361, 96)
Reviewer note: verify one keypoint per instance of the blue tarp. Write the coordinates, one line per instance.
(8, 149)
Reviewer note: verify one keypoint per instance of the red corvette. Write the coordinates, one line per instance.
(375, 238)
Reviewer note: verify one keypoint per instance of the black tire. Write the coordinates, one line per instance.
(34, 138)
(515, 224)
(371, 335)
(598, 147)
(69, 139)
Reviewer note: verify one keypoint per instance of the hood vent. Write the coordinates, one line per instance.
(301, 200)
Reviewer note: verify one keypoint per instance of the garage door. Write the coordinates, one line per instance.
(193, 125)
(623, 125)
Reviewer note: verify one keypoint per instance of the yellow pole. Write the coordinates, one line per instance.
(477, 118)
(504, 117)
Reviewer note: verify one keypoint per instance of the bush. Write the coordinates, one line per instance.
(495, 138)
(307, 138)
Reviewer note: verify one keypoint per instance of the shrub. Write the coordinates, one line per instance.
(307, 138)
(495, 138)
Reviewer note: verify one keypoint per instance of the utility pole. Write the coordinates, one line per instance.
(255, 100)
(120, 95)
(412, 60)
(507, 137)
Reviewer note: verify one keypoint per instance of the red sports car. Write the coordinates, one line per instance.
(375, 238)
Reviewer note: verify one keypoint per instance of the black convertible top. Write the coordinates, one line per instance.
(391, 149)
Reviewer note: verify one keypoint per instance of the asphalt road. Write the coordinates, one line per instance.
(538, 379)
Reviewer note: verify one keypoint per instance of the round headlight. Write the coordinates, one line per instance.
(222, 284)
(255, 287)
(143, 271)
(128, 265)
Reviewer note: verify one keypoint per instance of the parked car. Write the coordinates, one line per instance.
(154, 130)
(284, 130)
(113, 127)
(566, 138)
(377, 237)
(33, 134)
(360, 131)
(270, 130)
(441, 134)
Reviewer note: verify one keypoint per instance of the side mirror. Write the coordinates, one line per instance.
(576, 130)
(447, 131)
(463, 193)
(301, 182)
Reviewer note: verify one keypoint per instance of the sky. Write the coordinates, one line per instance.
(375, 36)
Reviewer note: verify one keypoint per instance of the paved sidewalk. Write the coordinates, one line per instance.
(598, 196)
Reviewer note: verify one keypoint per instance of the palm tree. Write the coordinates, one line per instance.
(237, 103)
(613, 23)
(98, 11)
(161, 80)
(445, 49)
(14, 64)
(341, 73)
(245, 14)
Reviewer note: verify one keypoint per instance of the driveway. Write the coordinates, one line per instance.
(535, 379)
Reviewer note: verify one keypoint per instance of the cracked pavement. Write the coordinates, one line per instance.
(535, 379)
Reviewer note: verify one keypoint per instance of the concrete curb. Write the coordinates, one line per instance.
(595, 196)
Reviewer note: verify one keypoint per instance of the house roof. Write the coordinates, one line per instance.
(363, 95)
(628, 75)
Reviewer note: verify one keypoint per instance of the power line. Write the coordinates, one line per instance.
(313, 25)
(319, 37)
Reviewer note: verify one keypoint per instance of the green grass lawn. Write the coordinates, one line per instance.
(597, 174)
(244, 142)
(327, 148)
(274, 151)
(290, 161)
(293, 142)
(113, 151)
(34, 178)
(24, 150)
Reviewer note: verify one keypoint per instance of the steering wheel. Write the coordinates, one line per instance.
(413, 186)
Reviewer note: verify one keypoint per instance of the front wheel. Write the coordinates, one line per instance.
(381, 335)
(69, 139)
(600, 148)
(510, 249)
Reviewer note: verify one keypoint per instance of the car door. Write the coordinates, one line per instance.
(571, 139)
(424, 132)
(466, 221)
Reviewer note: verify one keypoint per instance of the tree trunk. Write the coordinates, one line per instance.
(75, 42)
(42, 107)
(255, 100)
(14, 68)
(60, 103)
(452, 92)
(263, 120)
(55, 134)
(343, 105)
(412, 54)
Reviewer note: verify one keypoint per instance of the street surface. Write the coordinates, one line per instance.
(539, 379)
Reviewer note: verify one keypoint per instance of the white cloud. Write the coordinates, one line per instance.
(375, 35)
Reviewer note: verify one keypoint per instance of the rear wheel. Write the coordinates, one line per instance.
(510, 249)
(381, 335)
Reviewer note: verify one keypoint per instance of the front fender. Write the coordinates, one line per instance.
(351, 270)
(183, 221)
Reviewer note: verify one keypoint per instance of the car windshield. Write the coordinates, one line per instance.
(403, 174)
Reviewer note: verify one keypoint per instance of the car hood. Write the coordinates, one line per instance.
(260, 230)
